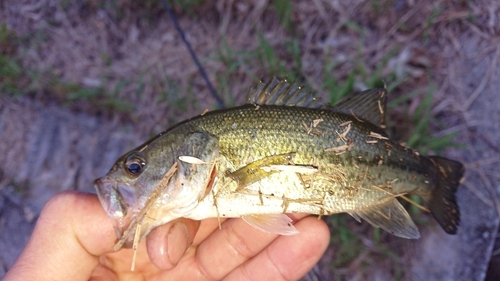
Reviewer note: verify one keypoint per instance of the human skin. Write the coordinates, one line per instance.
(73, 240)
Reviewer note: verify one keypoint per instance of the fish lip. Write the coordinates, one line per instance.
(105, 188)
(113, 204)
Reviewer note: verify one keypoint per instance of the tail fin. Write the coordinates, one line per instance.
(442, 203)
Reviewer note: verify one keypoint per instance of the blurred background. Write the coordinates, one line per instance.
(82, 82)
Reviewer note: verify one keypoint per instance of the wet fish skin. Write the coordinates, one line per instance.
(382, 161)
(357, 168)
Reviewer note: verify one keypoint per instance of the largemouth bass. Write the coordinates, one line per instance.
(282, 152)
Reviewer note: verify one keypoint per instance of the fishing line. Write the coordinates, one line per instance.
(220, 103)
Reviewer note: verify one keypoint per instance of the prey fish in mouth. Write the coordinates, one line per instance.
(282, 152)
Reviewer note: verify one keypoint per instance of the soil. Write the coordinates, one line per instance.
(51, 141)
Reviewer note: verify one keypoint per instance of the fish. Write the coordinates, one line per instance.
(283, 151)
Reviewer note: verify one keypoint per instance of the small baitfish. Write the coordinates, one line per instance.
(281, 152)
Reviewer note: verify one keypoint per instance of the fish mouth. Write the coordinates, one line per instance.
(119, 202)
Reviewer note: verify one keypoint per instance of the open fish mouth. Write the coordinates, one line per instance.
(119, 202)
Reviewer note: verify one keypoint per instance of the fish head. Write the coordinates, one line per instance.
(154, 184)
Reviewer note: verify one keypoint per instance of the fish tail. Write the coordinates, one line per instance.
(446, 175)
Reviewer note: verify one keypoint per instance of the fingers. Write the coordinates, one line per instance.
(288, 257)
(73, 231)
(167, 244)
(207, 227)
(231, 246)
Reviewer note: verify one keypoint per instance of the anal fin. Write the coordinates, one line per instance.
(272, 223)
(355, 216)
(391, 216)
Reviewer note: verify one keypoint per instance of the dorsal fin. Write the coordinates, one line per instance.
(280, 92)
(369, 105)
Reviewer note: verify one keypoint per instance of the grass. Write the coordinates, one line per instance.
(359, 74)
(283, 10)
(20, 188)
(235, 62)
(270, 60)
(177, 98)
(347, 242)
(187, 6)
(421, 119)
(429, 22)
(17, 81)
(96, 98)
(10, 73)
(288, 64)
(10, 69)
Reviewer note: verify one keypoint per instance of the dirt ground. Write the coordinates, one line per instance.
(83, 81)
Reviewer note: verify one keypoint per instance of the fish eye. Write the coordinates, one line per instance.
(135, 163)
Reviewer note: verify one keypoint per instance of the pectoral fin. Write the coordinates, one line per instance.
(391, 216)
(272, 223)
(252, 172)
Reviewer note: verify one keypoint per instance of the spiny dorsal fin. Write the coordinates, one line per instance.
(280, 92)
(369, 105)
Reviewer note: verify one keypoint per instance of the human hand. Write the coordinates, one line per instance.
(74, 239)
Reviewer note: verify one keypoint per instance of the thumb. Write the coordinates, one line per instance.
(70, 235)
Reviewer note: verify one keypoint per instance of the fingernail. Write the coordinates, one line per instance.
(178, 238)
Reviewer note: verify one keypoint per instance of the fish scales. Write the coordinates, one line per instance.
(245, 132)
(259, 161)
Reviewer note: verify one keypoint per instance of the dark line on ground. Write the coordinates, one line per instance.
(220, 103)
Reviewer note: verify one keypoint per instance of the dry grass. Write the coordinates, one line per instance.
(125, 59)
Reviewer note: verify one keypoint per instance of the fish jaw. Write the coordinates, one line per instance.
(119, 202)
